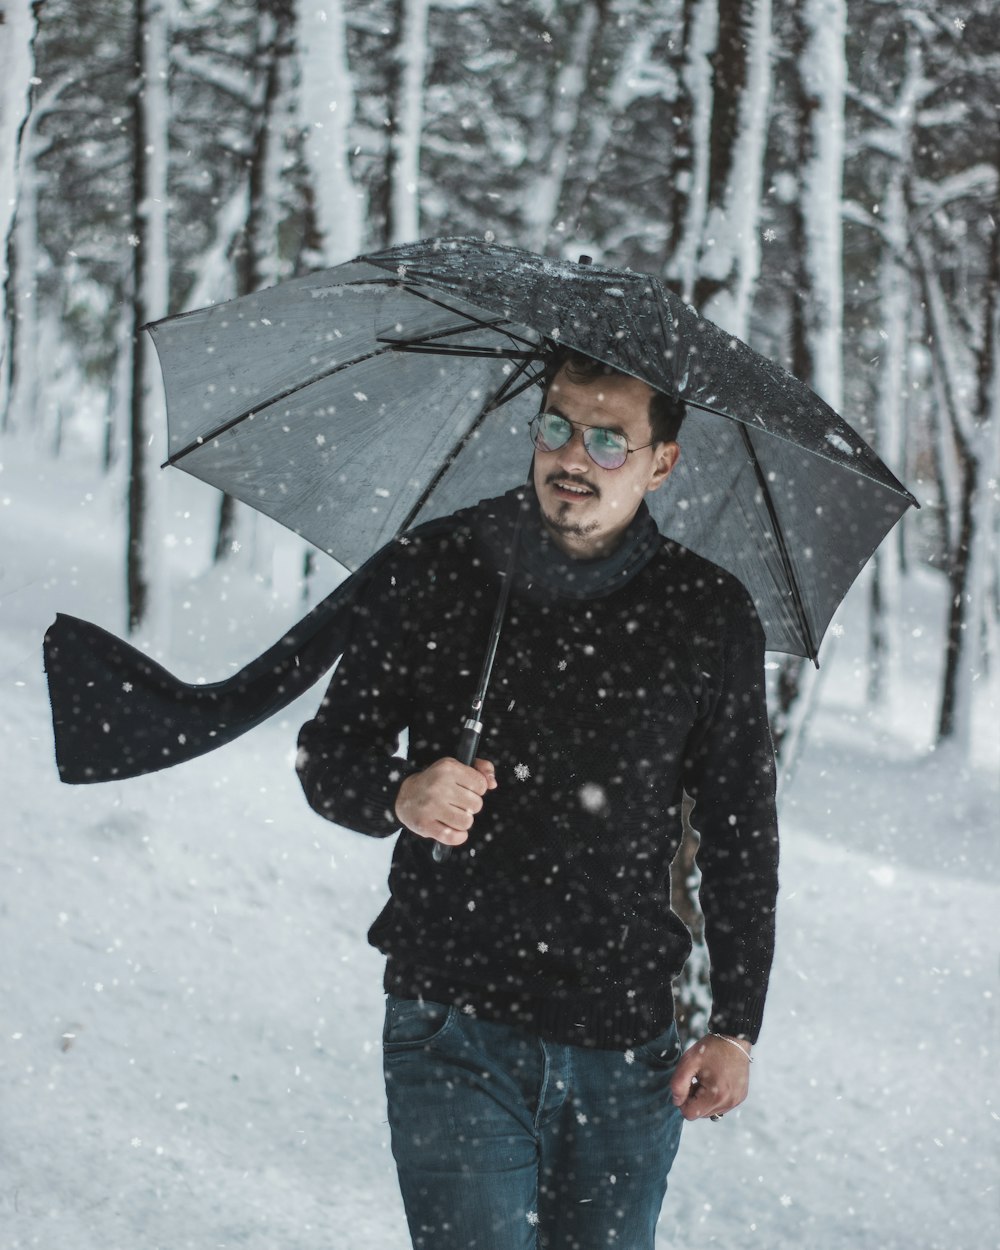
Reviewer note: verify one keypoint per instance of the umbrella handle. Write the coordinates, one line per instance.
(465, 753)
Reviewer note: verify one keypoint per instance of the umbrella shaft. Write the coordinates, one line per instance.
(465, 753)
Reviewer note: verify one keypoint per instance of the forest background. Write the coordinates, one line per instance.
(822, 178)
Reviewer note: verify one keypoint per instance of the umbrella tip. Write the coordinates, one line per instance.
(585, 259)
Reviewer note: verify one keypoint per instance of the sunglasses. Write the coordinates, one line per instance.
(607, 448)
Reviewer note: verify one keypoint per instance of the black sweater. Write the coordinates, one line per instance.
(556, 913)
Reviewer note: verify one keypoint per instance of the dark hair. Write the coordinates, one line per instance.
(666, 412)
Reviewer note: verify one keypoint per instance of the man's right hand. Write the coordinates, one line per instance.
(442, 801)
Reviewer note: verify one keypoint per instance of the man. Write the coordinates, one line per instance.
(535, 1084)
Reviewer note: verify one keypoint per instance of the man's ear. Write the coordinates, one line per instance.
(665, 456)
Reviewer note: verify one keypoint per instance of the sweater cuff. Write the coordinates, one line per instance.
(741, 1019)
(366, 800)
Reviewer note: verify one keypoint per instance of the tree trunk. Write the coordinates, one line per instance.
(326, 111)
(691, 169)
(816, 230)
(147, 607)
(406, 130)
(255, 255)
(977, 440)
(729, 251)
(726, 253)
(17, 67)
(553, 160)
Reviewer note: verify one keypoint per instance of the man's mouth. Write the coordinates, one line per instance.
(571, 490)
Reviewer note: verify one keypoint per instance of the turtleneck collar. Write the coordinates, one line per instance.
(543, 570)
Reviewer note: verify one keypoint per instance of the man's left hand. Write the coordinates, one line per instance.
(712, 1077)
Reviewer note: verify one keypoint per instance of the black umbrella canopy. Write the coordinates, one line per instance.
(352, 403)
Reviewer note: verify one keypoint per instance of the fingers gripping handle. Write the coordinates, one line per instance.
(465, 753)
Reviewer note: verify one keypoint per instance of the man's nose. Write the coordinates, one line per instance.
(573, 454)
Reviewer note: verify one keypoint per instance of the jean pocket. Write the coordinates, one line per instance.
(662, 1051)
(411, 1023)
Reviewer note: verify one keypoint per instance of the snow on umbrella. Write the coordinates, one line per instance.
(357, 401)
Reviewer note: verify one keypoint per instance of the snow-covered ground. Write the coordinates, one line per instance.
(190, 1016)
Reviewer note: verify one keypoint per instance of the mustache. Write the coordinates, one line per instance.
(553, 478)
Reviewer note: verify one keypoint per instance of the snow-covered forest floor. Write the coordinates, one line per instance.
(190, 1017)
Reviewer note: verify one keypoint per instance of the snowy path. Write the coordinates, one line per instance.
(190, 1019)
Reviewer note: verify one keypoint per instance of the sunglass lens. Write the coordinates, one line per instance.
(607, 449)
(550, 432)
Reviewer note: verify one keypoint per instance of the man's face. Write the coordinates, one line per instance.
(587, 509)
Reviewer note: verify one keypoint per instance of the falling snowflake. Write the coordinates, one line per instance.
(770, 235)
(561, 666)
(592, 797)
(127, 687)
(133, 240)
(234, 546)
(543, 947)
(532, 1218)
(320, 440)
(629, 1058)
(522, 772)
(785, 1200)
(959, 24)
(581, 1118)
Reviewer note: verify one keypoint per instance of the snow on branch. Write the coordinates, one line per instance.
(237, 85)
(976, 182)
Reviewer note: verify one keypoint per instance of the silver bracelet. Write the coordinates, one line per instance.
(733, 1042)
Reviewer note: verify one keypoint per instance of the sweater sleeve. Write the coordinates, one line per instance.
(347, 761)
(730, 774)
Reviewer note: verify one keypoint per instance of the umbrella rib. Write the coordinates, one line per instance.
(467, 324)
(462, 349)
(494, 402)
(274, 399)
(786, 561)
(504, 395)
(485, 325)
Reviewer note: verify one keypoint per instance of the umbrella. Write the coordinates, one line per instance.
(354, 402)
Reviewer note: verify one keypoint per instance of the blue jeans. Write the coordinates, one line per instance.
(505, 1141)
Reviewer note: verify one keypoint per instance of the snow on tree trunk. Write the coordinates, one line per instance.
(403, 215)
(17, 64)
(701, 34)
(818, 249)
(23, 315)
(630, 82)
(729, 255)
(718, 264)
(256, 256)
(822, 77)
(146, 588)
(326, 111)
(894, 311)
(545, 190)
(973, 410)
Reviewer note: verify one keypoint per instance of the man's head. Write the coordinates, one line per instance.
(587, 508)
